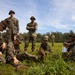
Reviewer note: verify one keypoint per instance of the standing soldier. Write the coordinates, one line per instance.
(31, 27)
(53, 39)
(44, 48)
(12, 29)
(14, 25)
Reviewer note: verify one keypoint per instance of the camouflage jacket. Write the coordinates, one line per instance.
(32, 29)
(13, 24)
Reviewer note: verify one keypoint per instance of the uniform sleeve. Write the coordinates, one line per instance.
(48, 47)
(11, 50)
(34, 27)
(40, 48)
(73, 43)
(27, 27)
(17, 26)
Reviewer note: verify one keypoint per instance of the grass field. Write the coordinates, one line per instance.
(54, 64)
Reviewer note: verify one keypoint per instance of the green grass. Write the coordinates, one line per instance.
(54, 64)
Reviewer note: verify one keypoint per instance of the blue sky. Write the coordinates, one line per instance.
(51, 15)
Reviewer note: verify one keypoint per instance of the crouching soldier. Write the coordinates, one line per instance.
(2, 48)
(44, 48)
(70, 45)
(22, 56)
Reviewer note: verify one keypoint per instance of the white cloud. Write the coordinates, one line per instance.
(73, 17)
(54, 15)
(62, 10)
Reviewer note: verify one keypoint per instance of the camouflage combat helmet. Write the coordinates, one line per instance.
(45, 38)
(19, 38)
(11, 11)
(32, 17)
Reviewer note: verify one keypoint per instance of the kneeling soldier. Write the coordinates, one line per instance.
(70, 45)
(44, 48)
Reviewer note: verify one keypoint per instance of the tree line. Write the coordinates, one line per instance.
(59, 36)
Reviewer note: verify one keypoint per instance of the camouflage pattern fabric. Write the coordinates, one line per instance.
(25, 55)
(44, 50)
(10, 53)
(31, 35)
(71, 56)
(2, 60)
(45, 46)
(17, 49)
(71, 47)
(14, 24)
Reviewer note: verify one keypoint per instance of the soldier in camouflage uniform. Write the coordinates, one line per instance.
(12, 29)
(14, 26)
(2, 49)
(31, 27)
(53, 39)
(70, 45)
(44, 48)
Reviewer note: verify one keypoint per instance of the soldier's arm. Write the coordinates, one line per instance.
(34, 27)
(72, 43)
(67, 44)
(0, 53)
(48, 48)
(69, 53)
(3, 23)
(17, 26)
(7, 23)
(3, 45)
(27, 27)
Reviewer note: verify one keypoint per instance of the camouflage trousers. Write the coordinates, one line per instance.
(2, 60)
(10, 52)
(25, 55)
(42, 55)
(72, 56)
(33, 41)
(17, 49)
(52, 42)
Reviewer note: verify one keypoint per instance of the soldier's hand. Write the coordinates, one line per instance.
(0, 53)
(16, 61)
(3, 46)
(7, 28)
(17, 33)
(68, 44)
